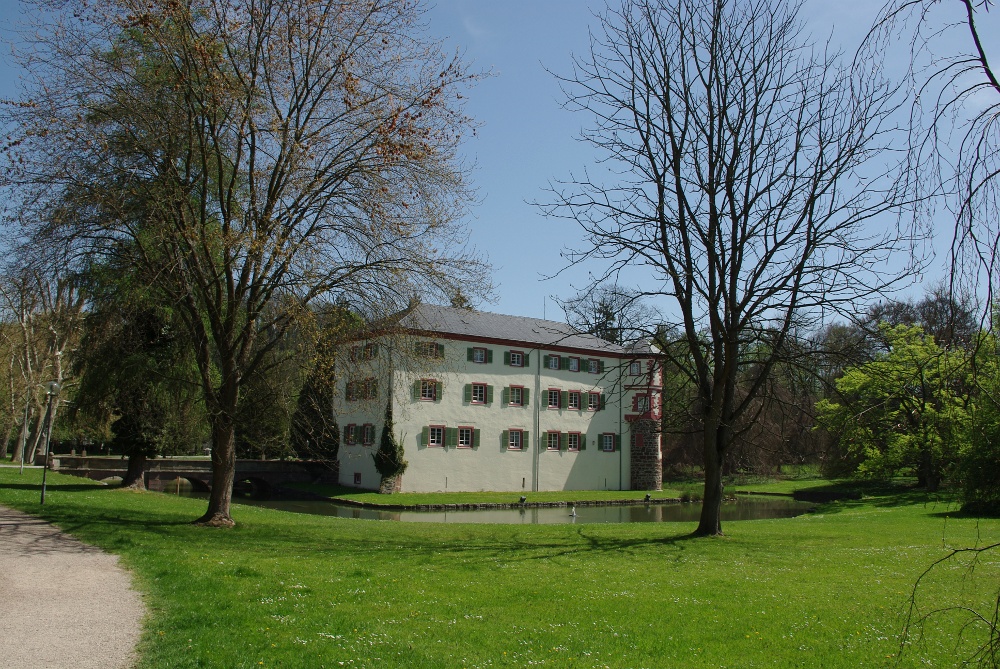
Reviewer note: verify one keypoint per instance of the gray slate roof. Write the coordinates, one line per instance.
(468, 323)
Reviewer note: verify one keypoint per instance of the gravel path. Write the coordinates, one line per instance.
(63, 604)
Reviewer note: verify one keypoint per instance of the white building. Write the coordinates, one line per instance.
(483, 401)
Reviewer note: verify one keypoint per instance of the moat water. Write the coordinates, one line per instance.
(743, 508)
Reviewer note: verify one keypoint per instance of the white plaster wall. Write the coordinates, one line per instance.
(490, 466)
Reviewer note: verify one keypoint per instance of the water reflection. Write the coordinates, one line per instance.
(742, 509)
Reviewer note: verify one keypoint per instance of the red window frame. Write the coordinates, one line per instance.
(637, 401)
(479, 350)
(512, 354)
(520, 399)
(472, 392)
(593, 366)
(579, 400)
(472, 436)
(558, 361)
(558, 396)
(569, 441)
(351, 441)
(591, 404)
(430, 433)
(573, 359)
(520, 439)
(367, 430)
(428, 383)
(357, 478)
(550, 436)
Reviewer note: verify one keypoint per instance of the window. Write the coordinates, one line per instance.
(553, 398)
(595, 366)
(574, 400)
(350, 435)
(435, 435)
(552, 361)
(515, 440)
(594, 402)
(357, 478)
(366, 352)
(608, 442)
(368, 435)
(479, 355)
(515, 359)
(365, 389)
(573, 441)
(465, 437)
(552, 441)
(635, 368)
(515, 396)
(478, 393)
(640, 403)
(429, 349)
(428, 390)
(636, 441)
(574, 365)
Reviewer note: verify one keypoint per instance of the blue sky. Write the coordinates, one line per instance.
(526, 139)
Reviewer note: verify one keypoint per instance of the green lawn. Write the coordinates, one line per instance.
(286, 590)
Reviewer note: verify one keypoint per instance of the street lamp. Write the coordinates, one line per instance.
(51, 391)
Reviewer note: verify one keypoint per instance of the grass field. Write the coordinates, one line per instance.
(828, 589)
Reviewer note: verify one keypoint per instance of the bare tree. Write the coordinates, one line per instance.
(740, 174)
(620, 315)
(250, 156)
(954, 123)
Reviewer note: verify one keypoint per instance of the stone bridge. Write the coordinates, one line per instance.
(258, 478)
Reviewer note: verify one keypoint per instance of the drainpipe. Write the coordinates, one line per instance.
(537, 422)
(621, 433)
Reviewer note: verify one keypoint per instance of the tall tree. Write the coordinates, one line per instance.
(251, 156)
(738, 176)
(613, 313)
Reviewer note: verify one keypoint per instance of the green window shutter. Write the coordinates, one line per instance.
(618, 442)
(545, 361)
(438, 391)
(425, 437)
(468, 393)
(358, 433)
(600, 366)
(468, 354)
(504, 439)
(475, 438)
(489, 394)
(563, 441)
(506, 358)
(489, 355)
(583, 442)
(601, 405)
(524, 397)
(440, 348)
(347, 433)
(525, 440)
(564, 362)
(505, 395)
(564, 399)
(527, 359)
(451, 436)
(416, 389)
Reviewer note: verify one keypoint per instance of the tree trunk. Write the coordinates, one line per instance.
(223, 470)
(135, 478)
(6, 439)
(710, 523)
(36, 434)
(22, 437)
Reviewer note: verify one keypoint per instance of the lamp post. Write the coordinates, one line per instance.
(51, 391)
